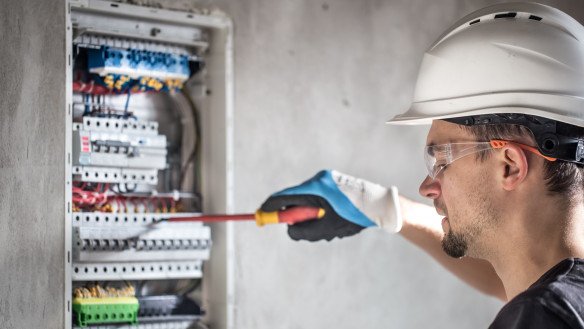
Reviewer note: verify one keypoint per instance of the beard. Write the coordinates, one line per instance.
(454, 245)
(476, 227)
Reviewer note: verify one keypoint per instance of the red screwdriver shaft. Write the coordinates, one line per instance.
(213, 218)
(289, 216)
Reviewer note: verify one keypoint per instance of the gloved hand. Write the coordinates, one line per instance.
(350, 205)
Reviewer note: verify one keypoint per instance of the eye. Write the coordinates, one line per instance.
(440, 168)
(430, 151)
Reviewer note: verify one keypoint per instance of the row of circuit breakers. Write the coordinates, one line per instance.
(118, 156)
(118, 151)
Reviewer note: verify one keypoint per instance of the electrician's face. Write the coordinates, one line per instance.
(461, 194)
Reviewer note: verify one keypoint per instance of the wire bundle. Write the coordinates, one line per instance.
(83, 198)
(97, 291)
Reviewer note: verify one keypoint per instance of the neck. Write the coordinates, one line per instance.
(534, 240)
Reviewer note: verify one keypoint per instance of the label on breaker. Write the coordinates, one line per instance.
(84, 141)
(85, 148)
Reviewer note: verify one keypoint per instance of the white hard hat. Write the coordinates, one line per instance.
(520, 58)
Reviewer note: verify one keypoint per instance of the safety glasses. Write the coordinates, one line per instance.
(437, 157)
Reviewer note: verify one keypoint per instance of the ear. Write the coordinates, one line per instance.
(515, 166)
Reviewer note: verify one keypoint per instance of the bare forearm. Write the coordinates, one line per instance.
(422, 227)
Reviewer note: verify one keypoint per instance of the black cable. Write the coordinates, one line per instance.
(193, 287)
(195, 153)
(139, 286)
(130, 190)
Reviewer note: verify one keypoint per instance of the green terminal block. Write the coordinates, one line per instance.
(105, 310)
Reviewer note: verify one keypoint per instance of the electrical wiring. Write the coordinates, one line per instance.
(86, 111)
(127, 103)
(163, 205)
(130, 190)
(123, 201)
(99, 291)
(118, 204)
(180, 287)
(194, 285)
(105, 197)
(83, 197)
(172, 206)
(135, 203)
(194, 156)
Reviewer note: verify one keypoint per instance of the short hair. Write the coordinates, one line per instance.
(562, 177)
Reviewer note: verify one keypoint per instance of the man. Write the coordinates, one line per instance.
(504, 92)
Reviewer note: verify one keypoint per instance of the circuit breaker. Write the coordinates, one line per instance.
(149, 110)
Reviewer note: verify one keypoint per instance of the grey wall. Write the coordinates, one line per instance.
(32, 148)
(315, 81)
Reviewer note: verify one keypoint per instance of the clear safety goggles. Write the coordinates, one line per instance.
(437, 157)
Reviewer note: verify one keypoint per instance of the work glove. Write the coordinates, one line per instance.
(350, 205)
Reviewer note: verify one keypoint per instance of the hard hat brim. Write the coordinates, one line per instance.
(553, 106)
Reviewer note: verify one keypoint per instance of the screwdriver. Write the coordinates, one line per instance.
(288, 216)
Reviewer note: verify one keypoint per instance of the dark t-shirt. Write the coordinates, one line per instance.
(556, 300)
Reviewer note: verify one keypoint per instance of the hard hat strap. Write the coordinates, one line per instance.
(549, 142)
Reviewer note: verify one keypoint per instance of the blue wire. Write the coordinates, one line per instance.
(127, 102)
(86, 112)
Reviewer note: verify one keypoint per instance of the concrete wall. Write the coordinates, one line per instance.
(32, 148)
(315, 81)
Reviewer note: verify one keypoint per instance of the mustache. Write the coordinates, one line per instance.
(440, 208)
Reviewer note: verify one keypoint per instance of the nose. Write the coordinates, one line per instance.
(430, 188)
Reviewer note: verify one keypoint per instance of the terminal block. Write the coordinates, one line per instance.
(118, 151)
(137, 63)
(105, 310)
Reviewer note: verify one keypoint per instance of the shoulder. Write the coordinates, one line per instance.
(529, 313)
(555, 301)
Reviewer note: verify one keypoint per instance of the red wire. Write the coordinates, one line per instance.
(84, 198)
(164, 205)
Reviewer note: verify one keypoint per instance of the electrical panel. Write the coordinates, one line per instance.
(149, 106)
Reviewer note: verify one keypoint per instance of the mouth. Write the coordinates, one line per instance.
(439, 209)
(445, 225)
